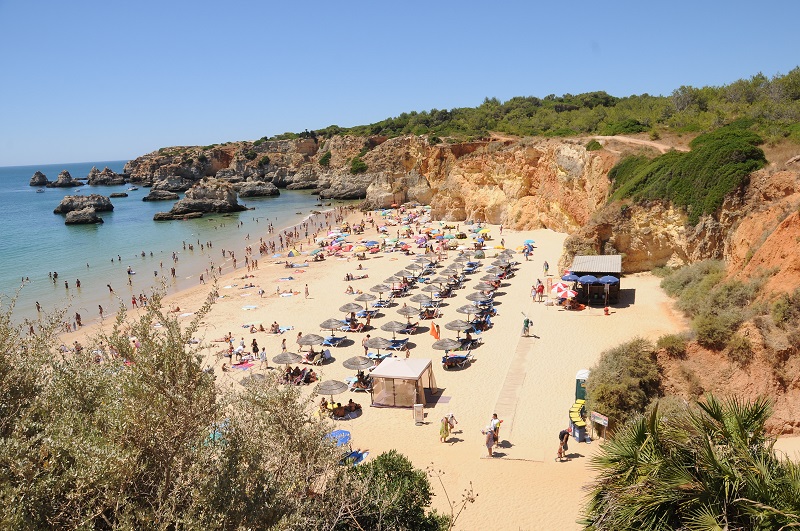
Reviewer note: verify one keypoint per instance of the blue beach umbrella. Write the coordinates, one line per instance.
(588, 279)
(529, 242)
(571, 277)
(608, 279)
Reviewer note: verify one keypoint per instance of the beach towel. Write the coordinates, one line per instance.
(249, 307)
(243, 366)
(187, 314)
(284, 279)
(283, 329)
(289, 294)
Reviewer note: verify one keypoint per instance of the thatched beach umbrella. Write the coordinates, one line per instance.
(403, 273)
(378, 343)
(351, 307)
(393, 279)
(446, 344)
(286, 358)
(310, 339)
(458, 326)
(468, 309)
(358, 363)
(493, 269)
(331, 387)
(483, 286)
(488, 278)
(430, 288)
(414, 267)
(365, 297)
(440, 280)
(477, 296)
(421, 298)
(393, 327)
(408, 311)
(331, 324)
(380, 288)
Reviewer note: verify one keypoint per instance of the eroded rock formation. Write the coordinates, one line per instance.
(85, 216)
(99, 203)
(64, 180)
(210, 195)
(107, 177)
(160, 195)
(39, 179)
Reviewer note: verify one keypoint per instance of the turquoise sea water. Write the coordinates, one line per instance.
(36, 242)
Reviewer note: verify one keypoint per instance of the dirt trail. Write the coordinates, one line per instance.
(662, 148)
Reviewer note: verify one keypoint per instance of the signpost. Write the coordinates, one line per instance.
(600, 419)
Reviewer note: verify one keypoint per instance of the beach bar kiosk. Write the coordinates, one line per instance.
(577, 413)
(598, 266)
(401, 382)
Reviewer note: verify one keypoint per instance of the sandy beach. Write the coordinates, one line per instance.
(528, 381)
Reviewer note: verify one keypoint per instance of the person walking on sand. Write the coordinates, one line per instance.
(444, 429)
(101, 311)
(306, 291)
(539, 290)
(283, 345)
(546, 267)
(364, 344)
(494, 424)
(490, 439)
(563, 437)
(299, 346)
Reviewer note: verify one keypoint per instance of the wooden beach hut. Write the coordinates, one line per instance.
(598, 266)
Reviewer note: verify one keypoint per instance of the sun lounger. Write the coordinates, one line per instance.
(366, 313)
(398, 344)
(457, 360)
(333, 341)
(354, 458)
(351, 384)
(359, 328)
(316, 360)
(381, 304)
(410, 329)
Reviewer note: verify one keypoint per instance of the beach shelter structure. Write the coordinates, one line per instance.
(401, 382)
(598, 266)
(294, 252)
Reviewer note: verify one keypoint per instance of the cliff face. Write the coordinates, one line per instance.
(523, 184)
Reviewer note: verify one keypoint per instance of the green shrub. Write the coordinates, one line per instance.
(202, 158)
(433, 140)
(691, 275)
(263, 161)
(325, 160)
(786, 309)
(401, 495)
(625, 127)
(674, 344)
(624, 381)
(655, 135)
(714, 329)
(593, 145)
(740, 350)
(250, 154)
(258, 142)
(699, 180)
(357, 166)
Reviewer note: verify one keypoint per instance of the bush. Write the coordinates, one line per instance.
(654, 135)
(624, 381)
(740, 350)
(250, 154)
(714, 329)
(357, 166)
(202, 158)
(593, 145)
(674, 344)
(264, 161)
(325, 160)
(399, 495)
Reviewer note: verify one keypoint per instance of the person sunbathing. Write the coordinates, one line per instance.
(323, 404)
(352, 406)
(253, 329)
(349, 290)
(261, 328)
(310, 377)
(339, 411)
(274, 328)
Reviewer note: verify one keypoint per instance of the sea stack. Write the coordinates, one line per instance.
(39, 179)
(107, 177)
(85, 216)
(99, 203)
(209, 195)
(64, 180)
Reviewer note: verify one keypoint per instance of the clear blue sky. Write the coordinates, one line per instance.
(106, 80)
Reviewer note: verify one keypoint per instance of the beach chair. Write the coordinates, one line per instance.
(333, 341)
(451, 361)
(348, 328)
(381, 304)
(316, 360)
(398, 344)
(429, 313)
(351, 384)
(410, 329)
(366, 313)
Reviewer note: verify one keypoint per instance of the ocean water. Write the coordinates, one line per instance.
(35, 242)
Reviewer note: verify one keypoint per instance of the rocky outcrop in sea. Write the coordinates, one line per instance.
(256, 189)
(85, 216)
(39, 179)
(160, 195)
(209, 195)
(107, 177)
(64, 180)
(70, 203)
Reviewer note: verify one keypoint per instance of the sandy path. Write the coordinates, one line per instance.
(662, 148)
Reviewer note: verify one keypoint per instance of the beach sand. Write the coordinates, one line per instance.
(528, 381)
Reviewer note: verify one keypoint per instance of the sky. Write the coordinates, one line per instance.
(105, 80)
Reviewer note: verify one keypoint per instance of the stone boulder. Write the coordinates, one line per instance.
(256, 189)
(39, 179)
(160, 195)
(107, 177)
(99, 203)
(64, 180)
(118, 194)
(84, 216)
(209, 195)
(230, 175)
(173, 184)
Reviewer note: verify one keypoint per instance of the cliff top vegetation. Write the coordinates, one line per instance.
(772, 105)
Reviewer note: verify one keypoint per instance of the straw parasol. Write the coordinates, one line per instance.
(403, 273)
(492, 269)
(332, 387)
(393, 279)
(501, 263)
(310, 339)
(430, 288)
(365, 297)
(393, 326)
(407, 311)
(380, 288)
(468, 309)
(477, 296)
(358, 363)
(446, 344)
(488, 278)
(460, 258)
(351, 307)
(420, 298)
(483, 286)
(286, 358)
(414, 267)
(440, 280)
(458, 325)
(331, 324)
(378, 343)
